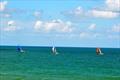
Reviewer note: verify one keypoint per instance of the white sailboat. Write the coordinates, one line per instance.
(54, 51)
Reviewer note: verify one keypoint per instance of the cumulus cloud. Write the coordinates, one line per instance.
(92, 27)
(79, 13)
(11, 23)
(53, 26)
(3, 5)
(76, 12)
(38, 25)
(11, 26)
(111, 10)
(113, 4)
(104, 14)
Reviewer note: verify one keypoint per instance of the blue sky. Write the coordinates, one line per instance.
(72, 23)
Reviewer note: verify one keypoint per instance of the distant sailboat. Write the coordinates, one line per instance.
(98, 51)
(54, 51)
(19, 49)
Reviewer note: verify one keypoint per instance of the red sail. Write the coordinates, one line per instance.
(97, 51)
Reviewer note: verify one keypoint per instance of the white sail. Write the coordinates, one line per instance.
(20, 49)
(54, 50)
(100, 52)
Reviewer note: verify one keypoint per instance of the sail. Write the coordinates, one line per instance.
(98, 51)
(54, 50)
(19, 49)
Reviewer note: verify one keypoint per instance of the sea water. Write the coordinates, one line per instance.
(38, 63)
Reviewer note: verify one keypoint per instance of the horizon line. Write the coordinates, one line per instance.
(56, 46)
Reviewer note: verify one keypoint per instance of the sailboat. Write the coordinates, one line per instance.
(54, 51)
(98, 51)
(19, 49)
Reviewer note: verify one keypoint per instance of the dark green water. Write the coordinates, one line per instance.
(38, 63)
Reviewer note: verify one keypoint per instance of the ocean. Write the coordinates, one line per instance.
(38, 63)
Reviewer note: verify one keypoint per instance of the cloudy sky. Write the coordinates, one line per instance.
(73, 23)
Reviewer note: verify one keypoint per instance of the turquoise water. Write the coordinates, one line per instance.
(38, 63)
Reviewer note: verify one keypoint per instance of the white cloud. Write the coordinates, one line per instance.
(113, 4)
(110, 10)
(11, 26)
(76, 12)
(79, 12)
(58, 25)
(104, 14)
(3, 5)
(11, 23)
(53, 26)
(38, 25)
(92, 27)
